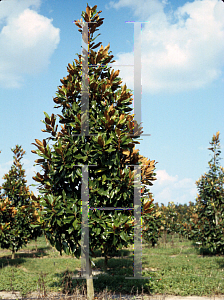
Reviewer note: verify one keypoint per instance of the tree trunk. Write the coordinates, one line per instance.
(46, 240)
(89, 282)
(105, 263)
(13, 254)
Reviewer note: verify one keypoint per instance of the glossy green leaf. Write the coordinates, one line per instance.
(123, 236)
(75, 224)
(65, 177)
(78, 156)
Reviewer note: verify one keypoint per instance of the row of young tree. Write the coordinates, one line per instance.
(201, 222)
(109, 151)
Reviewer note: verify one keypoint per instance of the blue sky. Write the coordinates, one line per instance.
(182, 78)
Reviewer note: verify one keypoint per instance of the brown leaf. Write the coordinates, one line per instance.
(100, 141)
(88, 10)
(97, 45)
(103, 87)
(111, 107)
(77, 24)
(121, 117)
(118, 132)
(58, 151)
(116, 73)
(94, 7)
(126, 226)
(130, 125)
(147, 205)
(39, 160)
(105, 51)
(33, 197)
(39, 142)
(124, 88)
(106, 115)
(56, 100)
(147, 211)
(49, 128)
(47, 121)
(87, 19)
(111, 122)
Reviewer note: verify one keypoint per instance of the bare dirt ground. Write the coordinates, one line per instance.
(36, 295)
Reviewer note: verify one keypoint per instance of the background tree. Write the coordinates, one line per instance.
(210, 203)
(152, 222)
(17, 211)
(111, 150)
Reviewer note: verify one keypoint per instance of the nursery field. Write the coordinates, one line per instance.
(174, 265)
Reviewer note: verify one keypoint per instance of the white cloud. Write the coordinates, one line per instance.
(27, 40)
(14, 8)
(180, 50)
(169, 188)
(164, 178)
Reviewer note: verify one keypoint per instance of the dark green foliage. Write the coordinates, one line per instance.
(211, 202)
(203, 223)
(186, 220)
(16, 209)
(112, 151)
(152, 223)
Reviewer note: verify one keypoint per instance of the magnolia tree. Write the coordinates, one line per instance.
(210, 203)
(107, 147)
(17, 212)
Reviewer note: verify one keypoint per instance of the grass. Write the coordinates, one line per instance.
(175, 265)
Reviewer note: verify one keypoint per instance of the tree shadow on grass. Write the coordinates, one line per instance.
(113, 279)
(204, 251)
(6, 260)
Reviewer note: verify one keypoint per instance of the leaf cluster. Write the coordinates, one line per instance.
(106, 144)
(17, 212)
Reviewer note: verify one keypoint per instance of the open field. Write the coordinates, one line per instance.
(175, 266)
